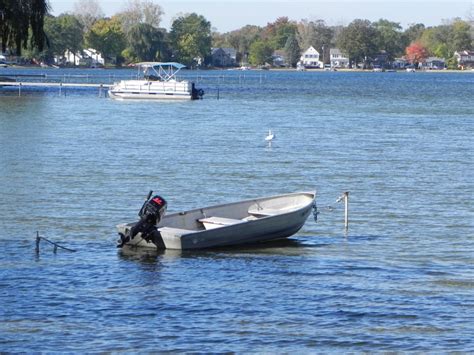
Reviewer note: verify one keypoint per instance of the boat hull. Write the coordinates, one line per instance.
(280, 217)
(153, 90)
(123, 95)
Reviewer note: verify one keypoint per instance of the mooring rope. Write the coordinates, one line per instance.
(56, 245)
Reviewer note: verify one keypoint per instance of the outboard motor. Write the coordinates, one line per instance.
(196, 94)
(150, 215)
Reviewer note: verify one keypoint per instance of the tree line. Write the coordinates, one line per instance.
(134, 34)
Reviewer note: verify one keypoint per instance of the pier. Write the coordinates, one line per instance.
(60, 85)
(20, 83)
(75, 85)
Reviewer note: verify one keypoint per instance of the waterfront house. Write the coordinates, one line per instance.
(310, 58)
(279, 58)
(400, 63)
(465, 58)
(434, 63)
(338, 59)
(224, 57)
(380, 60)
(87, 57)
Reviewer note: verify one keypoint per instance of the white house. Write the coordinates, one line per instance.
(89, 57)
(94, 56)
(310, 59)
(465, 58)
(338, 59)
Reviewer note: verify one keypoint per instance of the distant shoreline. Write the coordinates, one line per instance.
(342, 70)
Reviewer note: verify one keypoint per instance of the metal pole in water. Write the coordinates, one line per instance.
(346, 211)
(19, 90)
(38, 239)
(218, 93)
(60, 86)
(345, 196)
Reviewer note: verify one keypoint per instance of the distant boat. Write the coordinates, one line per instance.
(158, 81)
(300, 67)
(411, 70)
(249, 221)
(270, 136)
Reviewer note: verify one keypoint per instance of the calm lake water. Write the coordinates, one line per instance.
(73, 165)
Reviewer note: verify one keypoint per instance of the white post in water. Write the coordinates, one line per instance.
(345, 196)
(346, 211)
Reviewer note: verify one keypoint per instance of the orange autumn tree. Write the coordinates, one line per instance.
(416, 53)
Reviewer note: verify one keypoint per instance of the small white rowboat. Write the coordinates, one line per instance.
(249, 221)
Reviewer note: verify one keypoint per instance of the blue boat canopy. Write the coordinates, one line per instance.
(163, 71)
(161, 64)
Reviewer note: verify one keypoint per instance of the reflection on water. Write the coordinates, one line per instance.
(276, 247)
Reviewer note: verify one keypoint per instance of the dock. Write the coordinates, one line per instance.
(42, 84)
(61, 86)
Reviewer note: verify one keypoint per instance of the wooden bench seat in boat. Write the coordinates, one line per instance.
(265, 212)
(174, 231)
(214, 222)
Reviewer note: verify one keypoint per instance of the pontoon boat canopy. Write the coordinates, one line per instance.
(161, 64)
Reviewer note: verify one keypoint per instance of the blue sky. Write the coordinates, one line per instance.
(227, 15)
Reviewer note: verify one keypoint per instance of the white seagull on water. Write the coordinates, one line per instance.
(270, 136)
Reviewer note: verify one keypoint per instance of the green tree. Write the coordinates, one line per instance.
(277, 33)
(107, 37)
(389, 38)
(64, 33)
(445, 39)
(260, 52)
(71, 33)
(22, 20)
(52, 29)
(434, 36)
(442, 51)
(358, 40)
(191, 39)
(316, 34)
(460, 36)
(218, 39)
(292, 51)
(413, 33)
(242, 39)
(147, 43)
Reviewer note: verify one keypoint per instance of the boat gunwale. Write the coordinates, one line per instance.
(313, 193)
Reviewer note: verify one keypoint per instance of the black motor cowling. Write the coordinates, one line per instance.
(150, 215)
(196, 93)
